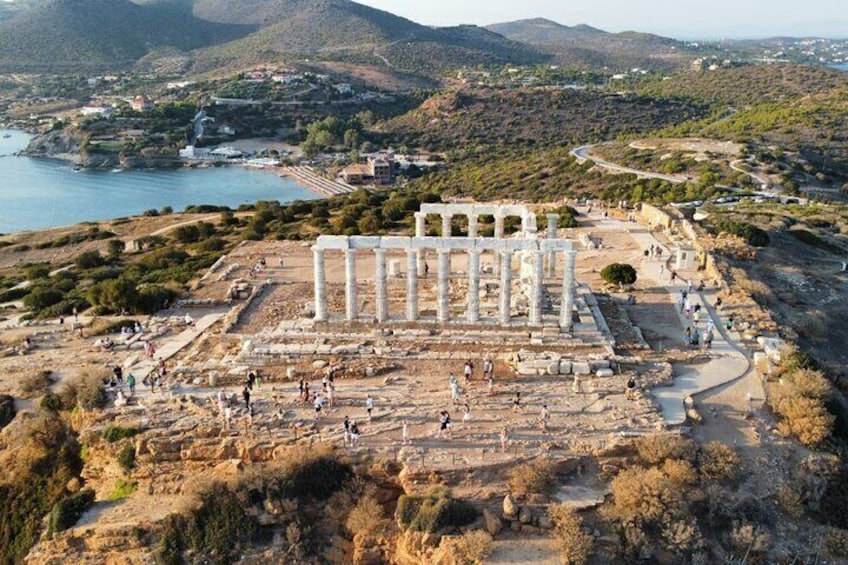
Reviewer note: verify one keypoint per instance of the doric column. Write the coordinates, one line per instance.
(473, 313)
(350, 285)
(553, 224)
(568, 284)
(320, 285)
(412, 285)
(446, 225)
(420, 224)
(506, 286)
(381, 290)
(536, 288)
(420, 231)
(443, 300)
(472, 225)
(499, 233)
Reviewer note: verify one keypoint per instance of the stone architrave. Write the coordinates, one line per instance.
(412, 285)
(568, 283)
(380, 282)
(473, 313)
(536, 283)
(320, 285)
(506, 286)
(351, 303)
(443, 299)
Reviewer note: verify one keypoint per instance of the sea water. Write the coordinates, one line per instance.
(43, 193)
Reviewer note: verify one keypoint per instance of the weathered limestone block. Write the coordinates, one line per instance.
(525, 516)
(527, 370)
(604, 373)
(510, 508)
(531, 530)
(603, 364)
(494, 525)
(319, 364)
(581, 368)
(564, 367)
(553, 368)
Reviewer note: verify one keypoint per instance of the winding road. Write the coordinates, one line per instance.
(582, 155)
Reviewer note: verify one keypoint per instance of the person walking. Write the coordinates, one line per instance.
(466, 415)
(319, 405)
(544, 417)
(631, 388)
(369, 405)
(131, 383)
(405, 432)
(504, 439)
(487, 369)
(246, 395)
(516, 402)
(346, 425)
(468, 370)
(354, 433)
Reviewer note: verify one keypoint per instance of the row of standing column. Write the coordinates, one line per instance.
(443, 287)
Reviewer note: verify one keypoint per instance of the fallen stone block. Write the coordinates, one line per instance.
(604, 373)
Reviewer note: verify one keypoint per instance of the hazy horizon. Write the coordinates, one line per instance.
(684, 19)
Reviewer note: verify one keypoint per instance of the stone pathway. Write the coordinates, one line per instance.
(728, 361)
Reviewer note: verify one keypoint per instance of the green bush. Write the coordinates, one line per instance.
(122, 490)
(750, 233)
(113, 434)
(13, 294)
(619, 273)
(7, 410)
(68, 511)
(433, 511)
(89, 260)
(42, 297)
(126, 457)
(51, 402)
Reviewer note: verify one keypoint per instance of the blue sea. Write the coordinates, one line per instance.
(43, 193)
(841, 66)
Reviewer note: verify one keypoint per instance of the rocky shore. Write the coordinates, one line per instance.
(69, 145)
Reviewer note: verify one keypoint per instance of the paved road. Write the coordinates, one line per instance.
(728, 362)
(582, 154)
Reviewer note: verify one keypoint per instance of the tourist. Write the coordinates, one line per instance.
(319, 405)
(504, 439)
(61, 320)
(710, 325)
(687, 333)
(516, 402)
(189, 322)
(696, 317)
(491, 385)
(300, 387)
(696, 337)
(354, 433)
(443, 423)
(708, 340)
(150, 349)
(673, 276)
(137, 328)
(488, 369)
(246, 394)
(76, 314)
(466, 415)
(306, 392)
(688, 285)
(631, 388)
(718, 302)
(331, 394)
(222, 400)
(468, 370)
(324, 383)
(251, 379)
(346, 425)
(544, 417)
(228, 417)
(131, 383)
(405, 432)
(119, 375)
(455, 396)
(369, 405)
(730, 323)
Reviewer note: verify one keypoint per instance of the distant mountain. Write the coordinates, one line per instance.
(583, 45)
(73, 34)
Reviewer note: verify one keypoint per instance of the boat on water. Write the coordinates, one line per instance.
(76, 168)
(7, 135)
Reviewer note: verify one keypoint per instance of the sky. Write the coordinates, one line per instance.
(683, 19)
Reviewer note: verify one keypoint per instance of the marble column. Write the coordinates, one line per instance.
(506, 286)
(473, 313)
(553, 224)
(499, 233)
(420, 231)
(447, 219)
(568, 285)
(350, 285)
(320, 285)
(536, 288)
(381, 290)
(443, 300)
(412, 285)
(472, 225)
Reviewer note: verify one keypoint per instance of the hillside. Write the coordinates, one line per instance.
(60, 35)
(583, 45)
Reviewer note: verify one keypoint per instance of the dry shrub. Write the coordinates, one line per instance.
(645, 496)
(718, 462)
(808, 383)
(749, 539)
(536, 477)
(85, 389)
(34, 384)
(655, 449)
(682, 536)
(680, 472)
(790, 500)
(836, 543)
(367, 516)
(806, 419)
(575, 544)
(471, 548)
